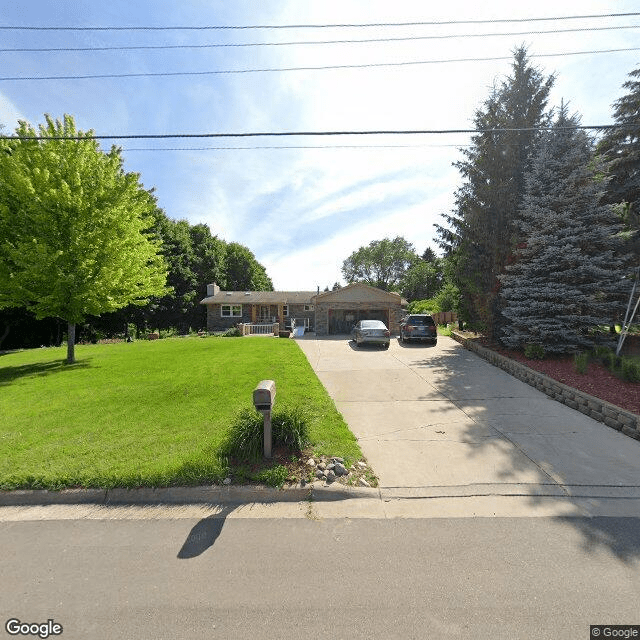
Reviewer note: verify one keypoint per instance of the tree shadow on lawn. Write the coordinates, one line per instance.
(38, 369)
(536, 448)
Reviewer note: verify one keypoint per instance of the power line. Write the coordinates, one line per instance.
(330, 146)
(317, 26)
(381, 132)
(311, 42)
(165, 74)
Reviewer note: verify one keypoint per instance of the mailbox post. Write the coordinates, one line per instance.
(264, 397)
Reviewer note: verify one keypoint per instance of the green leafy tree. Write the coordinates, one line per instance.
(382, 263)
(73, 228)
(481, 229)
(566, 274)
(243, 271)
(422, 280)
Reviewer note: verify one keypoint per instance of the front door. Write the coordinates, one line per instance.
(263, 313)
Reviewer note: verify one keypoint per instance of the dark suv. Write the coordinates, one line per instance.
(418, 326)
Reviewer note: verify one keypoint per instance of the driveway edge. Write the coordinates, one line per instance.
(601, 410)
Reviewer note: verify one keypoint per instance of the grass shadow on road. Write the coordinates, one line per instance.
(204, 534)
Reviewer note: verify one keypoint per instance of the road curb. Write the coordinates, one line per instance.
(213, 494)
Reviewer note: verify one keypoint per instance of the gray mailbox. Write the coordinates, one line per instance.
(264, 397)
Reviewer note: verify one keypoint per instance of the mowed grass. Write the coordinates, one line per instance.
(147, 413)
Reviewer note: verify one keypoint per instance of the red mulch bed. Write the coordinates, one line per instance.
(598, 381)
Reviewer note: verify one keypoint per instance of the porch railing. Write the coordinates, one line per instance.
(268, 329)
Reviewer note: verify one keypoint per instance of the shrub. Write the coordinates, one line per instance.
(244, 440)
(424, 306)
(167, 333)
(289, 428)
(234, 332)
(630, 370)
(444, 330)
(580, 362)
(534, 351)
(601, 353)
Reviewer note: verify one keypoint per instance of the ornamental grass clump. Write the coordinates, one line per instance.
(580, 362)
(289, 428)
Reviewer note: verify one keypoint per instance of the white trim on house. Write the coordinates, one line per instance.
(233, 311)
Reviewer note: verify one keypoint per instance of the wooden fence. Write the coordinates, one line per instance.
(445, 317)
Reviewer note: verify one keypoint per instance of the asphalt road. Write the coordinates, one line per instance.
(169, 575)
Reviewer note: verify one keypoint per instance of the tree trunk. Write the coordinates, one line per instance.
(71, 343)
(5, 334)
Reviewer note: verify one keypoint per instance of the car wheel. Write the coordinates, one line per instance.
(385, 346)
(401, 337)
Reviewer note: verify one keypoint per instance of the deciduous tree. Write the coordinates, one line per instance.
(73, 227)
(382, 263)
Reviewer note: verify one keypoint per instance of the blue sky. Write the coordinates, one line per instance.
(301, 211)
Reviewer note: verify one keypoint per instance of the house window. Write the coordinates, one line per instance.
(285, 310)
(231, 310)
(308, 307)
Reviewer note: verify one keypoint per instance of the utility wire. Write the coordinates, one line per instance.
(311, 42)
(381, 132)
(317, 26)
(329, 146)
(370, 65)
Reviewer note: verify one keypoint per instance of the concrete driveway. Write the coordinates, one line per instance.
(436, 421)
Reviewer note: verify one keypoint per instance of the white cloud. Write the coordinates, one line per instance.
(9, 114)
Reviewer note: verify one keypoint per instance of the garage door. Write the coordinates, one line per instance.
(341, 321)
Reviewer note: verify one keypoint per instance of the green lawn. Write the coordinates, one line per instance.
(146, 413)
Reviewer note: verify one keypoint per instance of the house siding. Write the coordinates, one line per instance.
(215, 321)
(297, 311)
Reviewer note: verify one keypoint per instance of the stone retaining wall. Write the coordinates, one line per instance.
(614, 417)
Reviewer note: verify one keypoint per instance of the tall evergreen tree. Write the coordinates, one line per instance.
(566, 277)
(621, 148)
(480, 230)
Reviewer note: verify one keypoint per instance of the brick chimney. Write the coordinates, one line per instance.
(212, 289)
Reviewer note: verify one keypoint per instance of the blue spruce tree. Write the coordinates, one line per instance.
(566, 275)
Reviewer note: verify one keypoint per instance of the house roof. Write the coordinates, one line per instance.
(260, 297)
(356, 292)
(359, 292)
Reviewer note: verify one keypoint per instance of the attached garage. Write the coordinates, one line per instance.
(337, 311)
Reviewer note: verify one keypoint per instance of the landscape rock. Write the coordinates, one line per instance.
(226, 481)
(321, 465)
(363, 483)
(319, 474)
(331, 476)
(340, 460)
(331, 466)
(311, 462)
(340, 469)
(362, 465)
